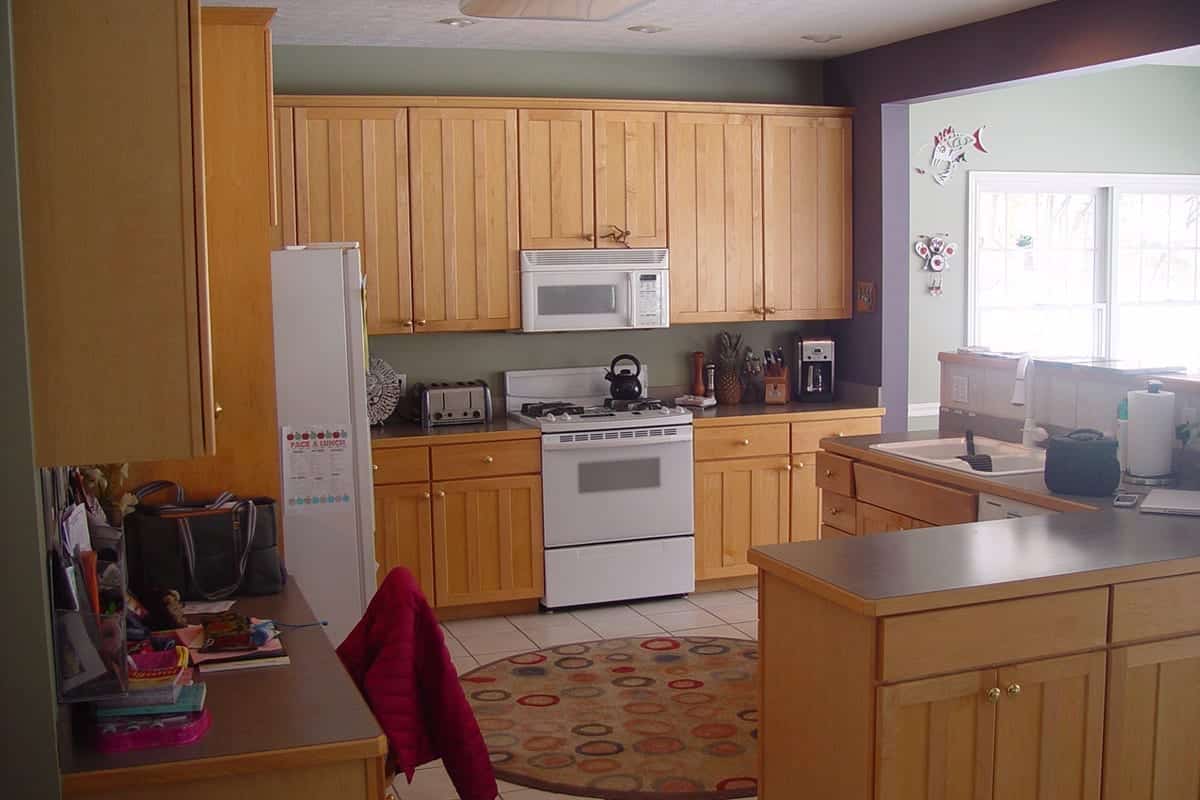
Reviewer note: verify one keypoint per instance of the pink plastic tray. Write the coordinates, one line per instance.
(138, 733)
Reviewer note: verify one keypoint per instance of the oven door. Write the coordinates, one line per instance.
(578, 300)
(616, 485)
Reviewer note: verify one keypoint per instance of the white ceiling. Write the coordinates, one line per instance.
(730, 28)
(1186, 57)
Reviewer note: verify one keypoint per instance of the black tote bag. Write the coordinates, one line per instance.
(205, 551)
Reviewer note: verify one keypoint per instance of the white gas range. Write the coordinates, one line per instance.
(617, 502)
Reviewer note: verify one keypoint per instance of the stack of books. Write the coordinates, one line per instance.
(270, 654)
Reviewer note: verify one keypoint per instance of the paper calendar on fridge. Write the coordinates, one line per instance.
(317, 469)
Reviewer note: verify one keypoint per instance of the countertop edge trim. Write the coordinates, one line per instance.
(805, 580)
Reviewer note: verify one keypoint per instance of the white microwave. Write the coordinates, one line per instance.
(594, 290)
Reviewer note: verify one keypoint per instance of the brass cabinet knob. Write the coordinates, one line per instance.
(408, 323)
(993, 694)
(840, 434)
(799, 465)
(427, 495)
(788, 468)
(589, 237)
(217, 410)
(374, 468)
(756, 309)
(488, 459)
(1013, 689)
(441, 493)
(421, 323)
(771, 309)
(828, 473)
(746, 442)
(834, 511)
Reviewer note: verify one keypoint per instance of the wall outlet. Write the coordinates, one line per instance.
(960, 389)
(402, 378)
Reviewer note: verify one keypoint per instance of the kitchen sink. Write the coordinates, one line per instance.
(1007, 458)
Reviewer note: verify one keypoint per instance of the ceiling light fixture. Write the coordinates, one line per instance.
(457, 22)
(821, 38)
(647, 28)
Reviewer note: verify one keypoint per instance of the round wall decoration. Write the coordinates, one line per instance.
(383, 391)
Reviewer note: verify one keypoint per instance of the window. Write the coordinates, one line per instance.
(1101, 266)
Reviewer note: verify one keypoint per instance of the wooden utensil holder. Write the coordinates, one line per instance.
(775, 389)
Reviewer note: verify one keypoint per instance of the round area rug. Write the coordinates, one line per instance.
(624, 719)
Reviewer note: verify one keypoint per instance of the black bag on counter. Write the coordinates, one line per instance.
(1082, 462)
(205, 551)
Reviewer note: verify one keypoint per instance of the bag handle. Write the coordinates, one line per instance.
(189, 546)
(153, 487)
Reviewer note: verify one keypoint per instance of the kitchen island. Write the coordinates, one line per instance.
(1043, 657)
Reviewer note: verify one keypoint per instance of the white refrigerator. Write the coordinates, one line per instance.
(325, 438)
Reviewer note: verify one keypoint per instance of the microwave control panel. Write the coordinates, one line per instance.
(649, 290)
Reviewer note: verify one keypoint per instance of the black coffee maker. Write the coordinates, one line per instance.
(814, 378)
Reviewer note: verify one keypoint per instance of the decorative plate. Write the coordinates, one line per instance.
(383, 391)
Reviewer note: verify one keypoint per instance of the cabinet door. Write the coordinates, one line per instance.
(404, 533)
(110, 147)
(352, 186)
(740, 503)
(487, 537)
(806, 498)
(1049, 725)
(872, 519)
(1152, 740)
(935, 738)
(631, 178)
(464, 219)
(714, 211)
(807, 217)
(283, 173)
(557, 194)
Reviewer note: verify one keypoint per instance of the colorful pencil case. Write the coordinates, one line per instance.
(139, 733)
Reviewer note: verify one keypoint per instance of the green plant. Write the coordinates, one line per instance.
(1186, 432)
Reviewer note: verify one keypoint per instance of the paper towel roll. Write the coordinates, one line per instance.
(1151, 433)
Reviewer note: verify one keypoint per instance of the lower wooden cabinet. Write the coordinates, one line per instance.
(740, 503)
(487, 540)
(404, 533)
(806, 498)
(872, 519)
(1030, 731)
(1153, 730)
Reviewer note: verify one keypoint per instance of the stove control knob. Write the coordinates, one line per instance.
(664, 411)
(549, 418)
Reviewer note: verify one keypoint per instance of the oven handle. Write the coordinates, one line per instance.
(632, 278)
(551, 442)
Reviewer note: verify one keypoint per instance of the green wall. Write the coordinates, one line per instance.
(306, 69)
(423, 71)
(1133, 119)
(27, 722)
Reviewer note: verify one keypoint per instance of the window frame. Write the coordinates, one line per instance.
(1107, 187)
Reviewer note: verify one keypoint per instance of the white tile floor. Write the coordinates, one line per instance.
(474, 642)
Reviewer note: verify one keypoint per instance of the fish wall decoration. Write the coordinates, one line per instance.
(950, 150)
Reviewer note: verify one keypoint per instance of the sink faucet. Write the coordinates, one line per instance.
(1031, 434)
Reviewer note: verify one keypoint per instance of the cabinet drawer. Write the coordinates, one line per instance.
(807, 436)
(451, 462)
(835, 474)
(830, 532)
(913, 497)
(400, 465)
(955, 639)
(839, 511)
(741, 441)
(1161, 607)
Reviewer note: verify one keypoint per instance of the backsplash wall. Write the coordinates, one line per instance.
(462, 356)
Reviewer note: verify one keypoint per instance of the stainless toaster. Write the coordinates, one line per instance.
(452, 403)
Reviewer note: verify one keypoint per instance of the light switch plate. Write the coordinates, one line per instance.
(402, 380)
(960, 389)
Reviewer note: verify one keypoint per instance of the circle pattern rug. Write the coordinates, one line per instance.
(624, 719)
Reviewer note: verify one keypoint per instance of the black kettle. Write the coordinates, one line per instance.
(625, 385)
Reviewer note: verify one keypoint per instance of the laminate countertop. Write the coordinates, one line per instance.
(1088, 544)
(256, 713)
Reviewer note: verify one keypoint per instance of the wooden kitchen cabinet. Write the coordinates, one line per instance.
(631, 178)
(557, 172)
(872, 519)
(237, 128)
(352, 186)
(806, 498)
(465, 272)
(1152, 733)
(714, 211)
(807, 211)
(740, 503)
(404, 532)
(111, 158)
(487, 540)
(936, 737)
(283, 174)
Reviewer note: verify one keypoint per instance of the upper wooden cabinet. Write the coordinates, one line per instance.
(283, 175)
(464, 219)
(807, 217)
(352, 186)
(557, 192)
(631, 179)
(112, 214)
(714, 201)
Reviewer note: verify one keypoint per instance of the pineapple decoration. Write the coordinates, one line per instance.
(729, 373)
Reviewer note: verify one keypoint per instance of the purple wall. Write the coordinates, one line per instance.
(1058, 36)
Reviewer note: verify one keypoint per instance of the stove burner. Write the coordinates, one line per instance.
(542, 409)
(644, 404)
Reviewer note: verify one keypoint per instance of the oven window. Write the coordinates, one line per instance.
(617, 476)
(558, 300)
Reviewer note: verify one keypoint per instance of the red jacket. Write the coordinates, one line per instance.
(398, 659)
